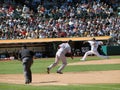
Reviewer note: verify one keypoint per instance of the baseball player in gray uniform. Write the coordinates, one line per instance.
(64, 49)
(26, 56)
(94, 46)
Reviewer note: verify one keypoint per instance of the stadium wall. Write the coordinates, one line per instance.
(46, 46)
(111, 50)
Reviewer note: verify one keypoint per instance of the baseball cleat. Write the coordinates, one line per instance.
(48, 70)
(59, 72)
(82, 59)
(27, 82)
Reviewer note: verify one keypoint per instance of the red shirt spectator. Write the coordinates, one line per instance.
(11, 9)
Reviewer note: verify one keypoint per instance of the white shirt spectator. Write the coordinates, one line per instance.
(71, 22)
(25, 9)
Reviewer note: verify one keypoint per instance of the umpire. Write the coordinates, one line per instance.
(26, 56)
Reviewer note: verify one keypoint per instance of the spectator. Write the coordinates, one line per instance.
(82, 18)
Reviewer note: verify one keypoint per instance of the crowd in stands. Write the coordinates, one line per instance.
(64, 19)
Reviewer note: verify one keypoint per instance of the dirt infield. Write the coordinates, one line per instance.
(91, 77)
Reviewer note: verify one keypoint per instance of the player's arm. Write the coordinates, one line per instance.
(19, 56)
(61, 45)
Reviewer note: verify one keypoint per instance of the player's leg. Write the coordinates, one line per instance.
(101, 56)
(26, 73)
(29, 70)
(86, 54)
(54, 64)
(64, 63)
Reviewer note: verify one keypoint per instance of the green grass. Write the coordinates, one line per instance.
(80, 68)
(68, 87)
(39, 66)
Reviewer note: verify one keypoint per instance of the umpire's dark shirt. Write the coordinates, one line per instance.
(26, 53)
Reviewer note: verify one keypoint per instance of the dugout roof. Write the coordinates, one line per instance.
(42, 40)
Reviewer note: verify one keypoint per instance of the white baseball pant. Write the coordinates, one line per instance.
(95, 53)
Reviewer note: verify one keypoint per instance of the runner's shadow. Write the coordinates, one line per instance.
(45, 82)
(49, 82)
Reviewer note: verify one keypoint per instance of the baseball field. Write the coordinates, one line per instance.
(93, 74)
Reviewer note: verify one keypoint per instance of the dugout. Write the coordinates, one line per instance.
(45, 47)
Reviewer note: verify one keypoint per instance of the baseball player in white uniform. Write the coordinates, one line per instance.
(64, 49)
(94, 46)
